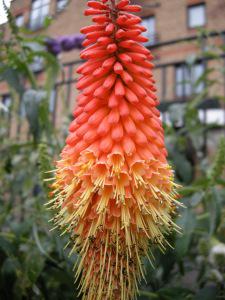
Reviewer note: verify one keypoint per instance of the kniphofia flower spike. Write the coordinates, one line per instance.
(113, 188)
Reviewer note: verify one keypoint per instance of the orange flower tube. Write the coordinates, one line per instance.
(113, 189)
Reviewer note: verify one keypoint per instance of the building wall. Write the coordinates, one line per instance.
(171, 27)
(171, 22)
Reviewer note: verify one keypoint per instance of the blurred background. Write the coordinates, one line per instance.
(39, 54)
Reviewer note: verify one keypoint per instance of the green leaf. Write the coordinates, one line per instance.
(9, 267)
(6, 246)
(12, 77)
(188, 190)
(214, 208)
(196, 198)
(207, 293)
(174, 293)
(219, 162)
(39, 245)
(183, 167)
(43, 116)
(144, 295)
(45, 166)
(34, 265)
(187, 222)
(47, 22)
(32, 101)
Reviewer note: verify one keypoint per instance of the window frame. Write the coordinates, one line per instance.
(188, 15)
(7, 114)
(186, 68)
(153, 42)
(3, 99)
(215, 116)
(61, 9)
(18, 16)
(40, 23)
(37, 64)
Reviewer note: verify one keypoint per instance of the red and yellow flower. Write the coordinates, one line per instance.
(113, 188)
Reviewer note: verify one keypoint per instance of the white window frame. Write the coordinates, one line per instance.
(7, 101)
(196, 15)
(5, 107)
(39, 9)
(215, 116)
(38, 61)
(188, 76)
(19, 20)
(151, 29)
(61, 4)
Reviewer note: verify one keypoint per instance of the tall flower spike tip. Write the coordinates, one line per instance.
(114, 191)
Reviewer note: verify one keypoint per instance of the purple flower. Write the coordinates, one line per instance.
(65, 43)
(53, 46)
(79, 40)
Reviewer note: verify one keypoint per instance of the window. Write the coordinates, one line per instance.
(196, 15)
(187, 79)
(5, 106)
(61, 4)
(196, 72)
(215, 116)
(19, 20)
(38, 62)
(5, 112)
(39, 11)
(6, 100)
(22, 109)
(52, 101)
(212, 116)
(150, 24)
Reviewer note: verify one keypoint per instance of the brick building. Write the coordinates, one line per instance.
(173, 29)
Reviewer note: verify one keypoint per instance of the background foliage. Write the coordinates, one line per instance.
(33, 264)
